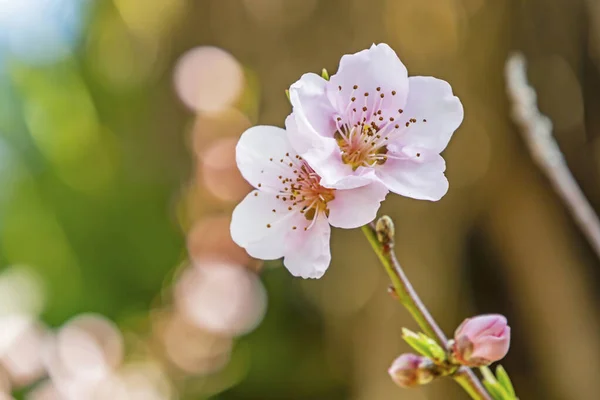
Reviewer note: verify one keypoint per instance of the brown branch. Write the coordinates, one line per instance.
(536, 129)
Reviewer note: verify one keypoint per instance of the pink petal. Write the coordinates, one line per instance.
(255, 227)
(377, 67)
(420, 178)
(371, 84)
(356, 207)
(259, 153)
(482, 325)
(307, 253)
(492, 348)
(496, 328)
(438, 113)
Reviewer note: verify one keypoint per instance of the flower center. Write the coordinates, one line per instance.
(310, 195)
(362, 146)
(303, 192)
(365, 126)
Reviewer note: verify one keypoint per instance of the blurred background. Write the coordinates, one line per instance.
(118, 278)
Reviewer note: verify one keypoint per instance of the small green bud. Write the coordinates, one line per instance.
(325, 74)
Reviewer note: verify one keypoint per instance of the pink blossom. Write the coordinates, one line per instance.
(290, 213)
(370, 121)
(481, 340)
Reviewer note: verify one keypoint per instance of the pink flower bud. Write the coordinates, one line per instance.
(481, 340)
(410, 370)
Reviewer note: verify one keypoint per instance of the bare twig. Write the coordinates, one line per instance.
(537, 132)
(381, 240)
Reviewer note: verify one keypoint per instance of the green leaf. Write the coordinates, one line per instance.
(494, 390)
(325, 74)
(504, 380)
(424, 345)
(416, 343)
(438, 353)
(488, 375)
(287, 94)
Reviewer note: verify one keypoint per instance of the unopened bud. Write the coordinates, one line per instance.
(481, 340)
(385, 231)
(411, 370)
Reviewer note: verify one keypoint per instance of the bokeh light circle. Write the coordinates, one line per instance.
(220, 174)
(22, 360)
(210, 238)
(192, 349)
(89, 347)
(208, 79)
(224, 124)
(221, 298)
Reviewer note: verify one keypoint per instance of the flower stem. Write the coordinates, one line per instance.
(382, 243)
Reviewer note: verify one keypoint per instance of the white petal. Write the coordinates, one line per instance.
(377, 67)
(312, 111)
(336, 178)
(307, 253)
(337, 175)
(438, 113)
(313, 148)
(250, 225)
(262, 155)
(327, 162)
(356, 207)
(420, 178)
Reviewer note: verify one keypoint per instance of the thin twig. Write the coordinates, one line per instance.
(536, 129)
(409, 298)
